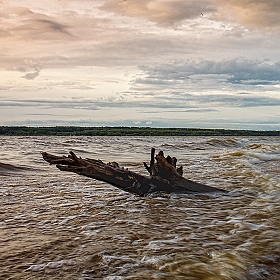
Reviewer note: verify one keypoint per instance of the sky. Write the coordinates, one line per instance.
(156, 63)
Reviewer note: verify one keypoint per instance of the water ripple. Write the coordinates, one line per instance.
(56, 225)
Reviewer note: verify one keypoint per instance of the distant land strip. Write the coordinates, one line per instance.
(127, 131)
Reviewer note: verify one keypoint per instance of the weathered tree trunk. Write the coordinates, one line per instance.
(164, 176)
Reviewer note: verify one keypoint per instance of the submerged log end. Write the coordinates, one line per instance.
(52, 159)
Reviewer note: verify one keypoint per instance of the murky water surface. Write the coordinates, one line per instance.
(57, 225)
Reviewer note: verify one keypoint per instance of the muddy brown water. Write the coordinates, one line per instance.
(57, 225)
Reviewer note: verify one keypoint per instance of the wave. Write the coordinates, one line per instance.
(257, 156)
(207, 143)
(230, 142)
(10, 167)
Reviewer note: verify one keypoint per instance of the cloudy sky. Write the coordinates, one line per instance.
(158, 63)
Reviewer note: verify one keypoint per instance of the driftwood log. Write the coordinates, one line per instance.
(164, 175)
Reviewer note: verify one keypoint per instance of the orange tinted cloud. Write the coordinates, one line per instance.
(250, 13)
(162, 12)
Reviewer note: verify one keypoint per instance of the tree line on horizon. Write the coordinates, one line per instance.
(127, 131)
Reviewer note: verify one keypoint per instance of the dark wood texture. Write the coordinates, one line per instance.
(164, 175)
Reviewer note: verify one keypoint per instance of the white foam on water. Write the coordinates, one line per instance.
(51, 265)
(100, 230)
(256, 157)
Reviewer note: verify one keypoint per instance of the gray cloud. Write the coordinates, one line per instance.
(51, 25)
(236, 71)
(240, 101)
(31, 76)
(181, 102)
(190, 63)
(41, 27)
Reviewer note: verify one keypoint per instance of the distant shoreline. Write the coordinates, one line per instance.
(127, 131)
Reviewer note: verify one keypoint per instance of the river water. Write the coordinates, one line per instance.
(58, 225)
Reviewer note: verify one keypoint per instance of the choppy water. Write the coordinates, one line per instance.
(57, 225)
